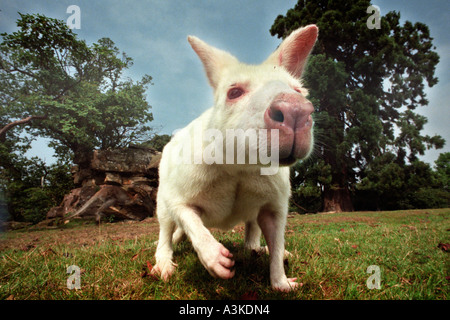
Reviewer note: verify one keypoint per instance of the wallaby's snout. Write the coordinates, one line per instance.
(291, 114)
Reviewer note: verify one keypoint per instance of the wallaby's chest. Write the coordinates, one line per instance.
(227, 201)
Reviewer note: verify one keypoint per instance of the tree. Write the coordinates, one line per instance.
(442, 165)
(54, 85)
(383, 186)
(389, 185)
(157, 142)
(309, 180)
(68, 91)
(364, 83)
(32, 187)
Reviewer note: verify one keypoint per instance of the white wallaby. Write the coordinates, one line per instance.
(196, 194)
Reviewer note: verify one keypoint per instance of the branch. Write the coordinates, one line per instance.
(14, 69)
(298, 206)
(66, 89)
(9, 126)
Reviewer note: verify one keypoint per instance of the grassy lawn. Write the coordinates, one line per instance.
(331, 254)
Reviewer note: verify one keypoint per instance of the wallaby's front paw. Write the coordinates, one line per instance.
(218, 261)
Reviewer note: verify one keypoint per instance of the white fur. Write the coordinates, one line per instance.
(194, 197)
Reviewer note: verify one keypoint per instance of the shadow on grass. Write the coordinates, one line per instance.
(250, 282)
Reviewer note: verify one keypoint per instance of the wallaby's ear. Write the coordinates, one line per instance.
(293, 52)
(213, 59)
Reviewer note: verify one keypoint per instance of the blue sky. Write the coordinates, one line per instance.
(154, 34)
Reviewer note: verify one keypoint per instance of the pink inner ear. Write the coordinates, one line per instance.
(295, 50)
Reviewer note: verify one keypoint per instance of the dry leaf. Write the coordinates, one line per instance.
(444, 246)
(412, 228)
(407, 281)
(219, 290)
(149, 273)
(28, 247)
(134, 257)
(47, 252)
(251, 295)
(149, 266)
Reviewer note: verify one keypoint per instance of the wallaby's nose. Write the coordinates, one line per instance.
(289, 110)
(290, 114)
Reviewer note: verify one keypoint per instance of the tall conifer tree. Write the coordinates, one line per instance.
(364, 82)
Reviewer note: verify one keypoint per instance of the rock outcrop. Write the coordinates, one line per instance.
(130, 173)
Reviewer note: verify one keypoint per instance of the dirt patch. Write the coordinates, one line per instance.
(325, 218)
(79, 235)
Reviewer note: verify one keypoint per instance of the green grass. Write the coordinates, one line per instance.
(331, 253)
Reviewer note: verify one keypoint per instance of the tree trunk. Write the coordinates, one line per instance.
(337, 197)
(337, 200)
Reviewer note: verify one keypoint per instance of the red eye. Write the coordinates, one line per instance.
(235, 93)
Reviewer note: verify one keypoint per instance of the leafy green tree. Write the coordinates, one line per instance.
(309, 180)
(364, 83)
(442, 165)
(392, 185)
(32, 187)
(422, 190)
(68, 91)
(157, 142)
(383, 185)
(54, 85)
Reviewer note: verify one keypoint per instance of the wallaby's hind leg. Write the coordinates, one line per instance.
(272, 226)
(253, 240)
(253, 236)
(178, 236)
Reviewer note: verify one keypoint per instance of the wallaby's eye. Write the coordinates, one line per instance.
(235, 93)
(298, 90)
